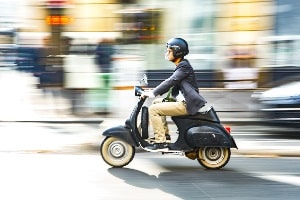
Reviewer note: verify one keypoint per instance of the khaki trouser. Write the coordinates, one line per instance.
(158, 112)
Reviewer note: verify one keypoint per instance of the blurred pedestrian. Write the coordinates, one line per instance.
(49, 70)
(100, 96)
(104, 52)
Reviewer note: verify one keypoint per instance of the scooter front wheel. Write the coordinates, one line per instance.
(116, 152)
(213, 157)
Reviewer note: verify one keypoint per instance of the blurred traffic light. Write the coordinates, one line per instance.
(59, 20)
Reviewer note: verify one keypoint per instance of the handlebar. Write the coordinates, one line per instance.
(138, 90)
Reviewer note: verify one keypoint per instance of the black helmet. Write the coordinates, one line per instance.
(179, 46)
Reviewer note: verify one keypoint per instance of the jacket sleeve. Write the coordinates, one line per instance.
(179, 74)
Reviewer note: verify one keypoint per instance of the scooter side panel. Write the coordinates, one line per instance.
(207, 136)
(122, 133)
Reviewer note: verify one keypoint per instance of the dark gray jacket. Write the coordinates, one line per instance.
(183, 79)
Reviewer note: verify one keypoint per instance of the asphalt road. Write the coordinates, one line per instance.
(149, 176)
(59, 161)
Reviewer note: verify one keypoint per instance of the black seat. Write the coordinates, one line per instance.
(208, 115)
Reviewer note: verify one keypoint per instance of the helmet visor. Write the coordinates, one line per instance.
(172, 46)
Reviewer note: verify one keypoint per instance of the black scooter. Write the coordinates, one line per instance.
(201, 137)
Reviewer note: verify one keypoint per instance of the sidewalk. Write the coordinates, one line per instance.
(22, 101)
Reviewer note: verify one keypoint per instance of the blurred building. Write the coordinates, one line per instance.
(240, 25)
(223, 34)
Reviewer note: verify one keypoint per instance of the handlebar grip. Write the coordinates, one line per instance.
(138, 90)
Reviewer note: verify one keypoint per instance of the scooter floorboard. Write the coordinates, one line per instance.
(165, 151)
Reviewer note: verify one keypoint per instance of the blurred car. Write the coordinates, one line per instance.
(280, 105)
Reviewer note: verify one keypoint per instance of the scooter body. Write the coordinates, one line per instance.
(200, 137)
(202, 130)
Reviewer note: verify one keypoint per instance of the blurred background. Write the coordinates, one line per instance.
(82, 57)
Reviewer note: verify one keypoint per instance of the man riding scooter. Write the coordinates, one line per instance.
(183, 87)
(201, 136)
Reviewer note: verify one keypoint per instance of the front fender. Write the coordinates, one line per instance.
(122, 133)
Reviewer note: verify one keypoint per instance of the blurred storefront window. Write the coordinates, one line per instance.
(285, 43)
(193, 20)
(284, 50)
(140, 26)
(287, 17)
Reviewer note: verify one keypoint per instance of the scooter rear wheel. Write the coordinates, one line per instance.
(213, 157)
(116, 152)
